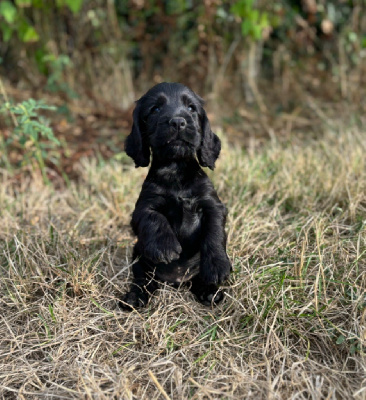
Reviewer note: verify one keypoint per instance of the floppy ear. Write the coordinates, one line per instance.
(210, 147)
(136, 145)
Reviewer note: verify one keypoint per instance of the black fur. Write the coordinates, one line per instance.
(178, 219)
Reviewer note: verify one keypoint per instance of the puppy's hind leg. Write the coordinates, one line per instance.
(142, 287)
(207, 294)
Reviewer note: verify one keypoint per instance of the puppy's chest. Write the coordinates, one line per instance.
(183, 212)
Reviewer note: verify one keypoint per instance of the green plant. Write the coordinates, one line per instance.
(29, 130)
(14, 20)
(56, 66)
(253, 21)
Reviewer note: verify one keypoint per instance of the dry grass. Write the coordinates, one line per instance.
(292, 325)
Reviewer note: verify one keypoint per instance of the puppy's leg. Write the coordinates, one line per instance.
(157, 241)
(207, 294)
(142, 287)
(215, 264)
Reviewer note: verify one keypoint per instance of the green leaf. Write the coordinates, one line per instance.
(101, 307)
(74, 5)
(27, 128)
(354, 348)
(32, 103)
(257, 32)
(23, 119)
(238, 9)
(29, 34)
(8, 11)
(17, 110)
(23, 140)
(50, 308)
(340, 339)
(246, 27)
(34, 135)
(254, 16)
(264, 21)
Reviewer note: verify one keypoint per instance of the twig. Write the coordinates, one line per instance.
(252, 73)
(162, 391)
(222, 70)
(200, 386)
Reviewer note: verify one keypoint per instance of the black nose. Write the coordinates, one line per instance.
(178, 123)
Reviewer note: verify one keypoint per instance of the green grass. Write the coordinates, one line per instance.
(292, 325)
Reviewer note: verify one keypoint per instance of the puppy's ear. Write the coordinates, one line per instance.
(136, 145)
(210, 147)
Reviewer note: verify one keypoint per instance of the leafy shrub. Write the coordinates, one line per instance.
(31, 135)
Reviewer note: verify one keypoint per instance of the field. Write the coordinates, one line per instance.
(292, 325)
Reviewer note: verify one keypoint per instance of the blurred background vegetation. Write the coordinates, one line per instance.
(265, 68)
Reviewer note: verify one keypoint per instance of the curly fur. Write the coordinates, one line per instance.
(178, 219)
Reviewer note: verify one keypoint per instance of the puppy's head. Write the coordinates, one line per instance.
(170, 121)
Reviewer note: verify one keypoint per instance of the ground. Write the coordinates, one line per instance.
(292, 325)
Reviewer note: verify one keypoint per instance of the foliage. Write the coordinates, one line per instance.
(73, 5)
(253, 21)
(14, 19)
(56, 67)
(30, 128)
(131, 44)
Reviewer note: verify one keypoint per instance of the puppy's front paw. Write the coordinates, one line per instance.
(163, 249)
(210, 295)
(133, 299)
(215, 269)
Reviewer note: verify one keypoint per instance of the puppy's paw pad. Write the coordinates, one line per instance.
(133, 300)
(211, 298)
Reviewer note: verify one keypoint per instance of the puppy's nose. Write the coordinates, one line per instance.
(178, 123)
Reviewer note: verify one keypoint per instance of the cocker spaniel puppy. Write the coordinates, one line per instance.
(178, 219)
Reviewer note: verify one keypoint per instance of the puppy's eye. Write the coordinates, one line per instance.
(155, 110)
(191, 108)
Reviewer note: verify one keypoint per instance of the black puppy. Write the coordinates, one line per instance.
(179, 219)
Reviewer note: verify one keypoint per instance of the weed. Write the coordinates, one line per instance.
(29, 130)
